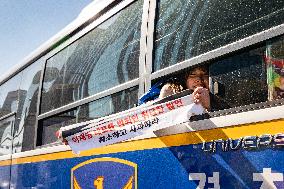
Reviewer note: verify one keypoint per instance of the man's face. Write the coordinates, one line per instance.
(197, 78)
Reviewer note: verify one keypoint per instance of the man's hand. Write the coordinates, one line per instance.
(59, 136)
(201, 95)
(166, 90)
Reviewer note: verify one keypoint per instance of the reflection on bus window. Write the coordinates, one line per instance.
(104, 58)
(6, 127)
(24, 132)
(9, 95)
(108, 105)
(187, 28)
(20, 94)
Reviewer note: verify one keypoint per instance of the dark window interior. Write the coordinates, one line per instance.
(240, 79)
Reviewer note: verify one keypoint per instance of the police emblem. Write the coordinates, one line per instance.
(104, 173)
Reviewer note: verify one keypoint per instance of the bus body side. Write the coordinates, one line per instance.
(102, 64)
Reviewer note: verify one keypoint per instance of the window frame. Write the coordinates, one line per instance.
(73, 39)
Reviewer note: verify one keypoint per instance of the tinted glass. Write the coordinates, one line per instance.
(103, 58)
(9, 95)
(240, 79)
(24, 131)
(105, 106)
(55, 90)
(185, 29)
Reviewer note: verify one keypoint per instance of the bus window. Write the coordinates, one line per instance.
(185, 29)
(103, 58)
(102, 107)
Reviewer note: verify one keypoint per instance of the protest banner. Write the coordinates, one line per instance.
(113, 129)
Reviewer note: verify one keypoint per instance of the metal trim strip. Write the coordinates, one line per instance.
(7, 116)
(143, 47)
(39, 100)
(150, 43)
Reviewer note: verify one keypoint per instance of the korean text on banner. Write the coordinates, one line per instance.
(102, 132)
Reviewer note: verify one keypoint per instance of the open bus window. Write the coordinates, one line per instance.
(194, 82)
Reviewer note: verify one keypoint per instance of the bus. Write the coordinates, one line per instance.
(111, 55)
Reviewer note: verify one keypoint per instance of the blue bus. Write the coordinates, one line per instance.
(112, 54)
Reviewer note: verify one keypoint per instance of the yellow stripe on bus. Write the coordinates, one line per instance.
(234, 132)
(5, 162)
